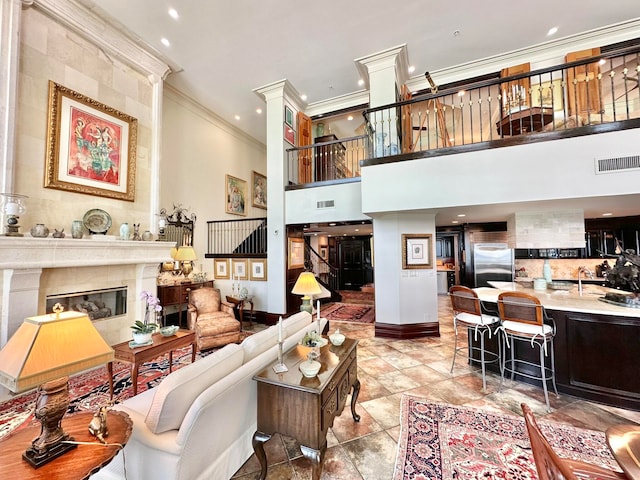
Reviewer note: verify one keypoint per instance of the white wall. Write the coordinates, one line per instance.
(302, 205)
(403, 296)
(198, 150)
(560, 169)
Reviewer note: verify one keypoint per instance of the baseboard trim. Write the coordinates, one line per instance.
(406, 331)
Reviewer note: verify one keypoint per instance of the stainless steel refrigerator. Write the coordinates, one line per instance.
(492, 261)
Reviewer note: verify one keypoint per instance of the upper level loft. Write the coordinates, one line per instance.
(593, 92)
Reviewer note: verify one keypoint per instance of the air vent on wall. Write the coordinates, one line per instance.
(616, 164)
(325, 204)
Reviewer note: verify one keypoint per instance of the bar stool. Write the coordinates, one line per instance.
(524, 319)
(467, 312)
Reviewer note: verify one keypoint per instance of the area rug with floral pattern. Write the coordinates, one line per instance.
(441, 441)
(89, 390)
(347, 312)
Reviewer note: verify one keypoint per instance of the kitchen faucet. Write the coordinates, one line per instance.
(586, 271)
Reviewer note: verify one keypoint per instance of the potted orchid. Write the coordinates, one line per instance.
(142, 331)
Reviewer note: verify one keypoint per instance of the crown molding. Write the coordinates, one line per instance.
(83, 21)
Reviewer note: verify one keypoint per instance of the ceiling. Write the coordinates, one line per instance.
(221, 51)
(225, 49)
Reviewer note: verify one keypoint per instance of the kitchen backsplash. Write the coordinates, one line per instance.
(560, 268)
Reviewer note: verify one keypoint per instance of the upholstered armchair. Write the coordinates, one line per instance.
(212, 319)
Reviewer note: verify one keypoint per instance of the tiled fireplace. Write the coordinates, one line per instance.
(36, 268)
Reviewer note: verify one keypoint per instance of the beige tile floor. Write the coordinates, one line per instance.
(387, 369)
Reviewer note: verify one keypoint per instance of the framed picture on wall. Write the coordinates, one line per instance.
(258, 269)
(239, 269)
(296, 253)
(91, 147)
(259, 190)
(289, 135)
(288, 116)
(221, 268)
(416, 251)
(235, 195)
(324, 252)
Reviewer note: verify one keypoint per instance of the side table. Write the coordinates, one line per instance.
(239, 305)
(138, 355)
(77, 464)
(304, 408)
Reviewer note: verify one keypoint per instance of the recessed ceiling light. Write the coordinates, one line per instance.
(258, 110)
(332, 224)
(315, 234)
(237, 117)
(607, 214)
(173, 13)
(350, 117)
(303, 97)
(165, 42)
(454, 221)
(602, 61)
(552, 31)
(411, 69)
(361, 82)
(461, 93)
(460, 215)
(357, 229)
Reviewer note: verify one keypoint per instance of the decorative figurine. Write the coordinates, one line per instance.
(58, 234)
(136, 232)
(98, 424)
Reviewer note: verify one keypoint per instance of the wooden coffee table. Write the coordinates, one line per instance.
(138, 355)
(76, 464)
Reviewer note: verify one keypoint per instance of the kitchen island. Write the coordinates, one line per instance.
(597, 344)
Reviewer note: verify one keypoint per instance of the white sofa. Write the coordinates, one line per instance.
(198, 423)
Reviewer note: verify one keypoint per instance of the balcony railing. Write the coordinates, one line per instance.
(327, 161)
(593, 91)
(240, 238)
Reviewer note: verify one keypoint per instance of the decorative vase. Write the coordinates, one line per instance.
(147, 236)
(546, 271)
(141, 337)
(39, 230)
(124, 231)
(77, 229)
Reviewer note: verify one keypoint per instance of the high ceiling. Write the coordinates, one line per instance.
(225, 49)
(222, 50)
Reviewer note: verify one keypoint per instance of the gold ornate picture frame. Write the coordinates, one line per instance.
(239, 269)
(235, 195)
(259, 190)
(416, 251)
(91, 147)
(258, 269)
(221, 268)
(296, 253)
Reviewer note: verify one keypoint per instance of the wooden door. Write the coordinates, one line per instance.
(515, 94)
(583, 89)
(407, 121)
(304, 155)
(351, 266)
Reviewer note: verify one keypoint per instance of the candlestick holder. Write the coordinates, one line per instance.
(280, 367)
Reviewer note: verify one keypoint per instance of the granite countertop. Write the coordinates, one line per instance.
(568, 300)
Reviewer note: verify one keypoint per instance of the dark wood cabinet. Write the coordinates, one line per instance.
(170, 295)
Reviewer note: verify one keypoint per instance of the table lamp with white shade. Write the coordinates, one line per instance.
(306, 285)
(42, 353)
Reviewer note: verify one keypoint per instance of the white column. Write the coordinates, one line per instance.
(19, 299)
(276, 95)
(385, 71)
(10, 17)
(156, 149)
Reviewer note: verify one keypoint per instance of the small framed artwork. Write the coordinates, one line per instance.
(259, 190)
(258, 269)
(91, 147)
(235, 195)
(288, 116)
(296, 253)
(290, 135)
(324, 252)
(221, 268)
(239, 269)
(416, 251)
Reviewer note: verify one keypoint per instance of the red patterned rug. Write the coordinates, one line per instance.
(347, 312)
(91, 389)
(440, 441)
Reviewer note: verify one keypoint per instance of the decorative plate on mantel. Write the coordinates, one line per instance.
(97, 221)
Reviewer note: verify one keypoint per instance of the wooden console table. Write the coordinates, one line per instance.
(178, 294)
(77, 464)
(138, 355)
(239, 305)
(304, 408)
(525, 120)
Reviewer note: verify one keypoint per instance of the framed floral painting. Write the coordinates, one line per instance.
(91, 148)
(259, 190)
(235, 195)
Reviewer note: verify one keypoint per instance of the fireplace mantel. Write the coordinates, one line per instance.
(29, 252)
(23, 260)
